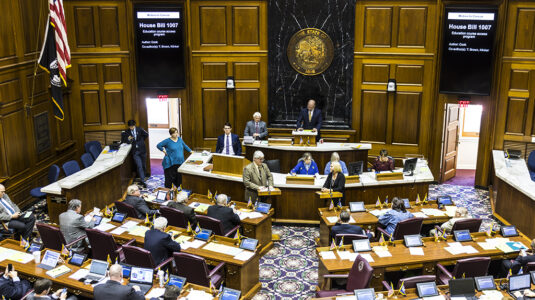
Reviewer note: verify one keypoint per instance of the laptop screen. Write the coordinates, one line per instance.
(177, 281)
(365, 294)
(427, 289)
(356, 206)
(249, 244)
(519, 282)
(462, 235)
(464, 286)
(485, 283)
(50, 258)
(141, 275)
(98, 267)
(230, 294)
(263, 207)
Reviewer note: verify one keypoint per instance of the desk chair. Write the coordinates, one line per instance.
(274, 165)
(529, 267)
(468, 267)
(6, 233)
(94, 151)
(87, 160)
(471, 225)
(410, 282)
(140, 257)
(196, 271)
(403, 228)
(70, 167)
(53, 175)
(349, 237)
(97, 145)
(53, 238)
(29, 295)
(174, 216)
(215, 225)
(127, 209)
(103, 244)
(531, 165)
(359, 277)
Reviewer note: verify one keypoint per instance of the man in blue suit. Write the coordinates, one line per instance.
(136, 136)
(159, 243)
(345, 228)
(228, 143)
(310, 118)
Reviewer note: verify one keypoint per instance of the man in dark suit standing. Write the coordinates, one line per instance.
(113, 289)
(134, 198)
(310, 118)
(345, 228)
(256, 128)
(159, 243)
(180, 205)
(223, 213)
(136, 136)
(228, 143)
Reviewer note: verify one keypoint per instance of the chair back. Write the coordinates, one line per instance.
(472, 225)
(93, 143)
(274, 165)
(406, 227)
(51, 236)
(174, 216)
(87, 160)
(471, 267)
(211, 223)
(529, 267)
(360, 274)
(126, 208)
(192, 267)
(53, 173)
(94, 151)
(349, 237)
(531, 161)
(70, 167)
(410, 282)
(138, 257)
(102, 244)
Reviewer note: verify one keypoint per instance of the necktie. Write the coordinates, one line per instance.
(228, 144)
(259, 174)
(134, 134)
(256, 127)
(310, 116)
(7, 206)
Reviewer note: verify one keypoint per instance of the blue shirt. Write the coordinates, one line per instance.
(175, 152)
(302, 170)
(392, 217)
(342, 164)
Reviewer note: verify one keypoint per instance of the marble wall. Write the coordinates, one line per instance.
(288, 89)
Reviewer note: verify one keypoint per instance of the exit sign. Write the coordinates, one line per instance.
(464, 103)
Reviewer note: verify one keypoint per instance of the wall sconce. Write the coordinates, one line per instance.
(391, 86)
(230, 83)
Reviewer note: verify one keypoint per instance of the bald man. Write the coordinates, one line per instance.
(310, 118)
(114, 288)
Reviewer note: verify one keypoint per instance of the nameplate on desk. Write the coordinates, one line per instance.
(300, 180)
(274, 192)
(389, 176)
(353, 179)
(279, 142)
(327, 195)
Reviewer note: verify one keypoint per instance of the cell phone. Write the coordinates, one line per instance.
(64, 290)
(9, 268)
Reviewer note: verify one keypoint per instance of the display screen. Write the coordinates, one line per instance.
(406, 203)
(445, 200)
(467, 50)
(98, 219)
(361, 245)
(77, 259)
(485, 283)
(230, 294)
(509, 231)
(141, 275)
(118, 217)
(413, 240)
(263, 207)
(98, 267)
(519, 282)
(204, 234)
(356, 206)
(177, 281)
(126, 271)
(365, 294)
(462, 235)
(249, 244)
(427, 289)
(35, 247)
(50, 258)
(161, 196)
(159, 46)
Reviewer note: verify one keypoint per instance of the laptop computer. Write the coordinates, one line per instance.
(177, 281)
(230, 294)
(426, 289)
(413, 240)
(462, 235)
(98, 219)
(356, 207)
(204, 235)
(362, 245)
(249, 244)
(49, 261)
(365, 294)
(464, 287)
(97, 271)
(118, 217)
(263, 207)
(141, 277)
(517, 285)
(508, 231)
(484, 283)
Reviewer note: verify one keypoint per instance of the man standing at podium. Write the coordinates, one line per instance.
(310, 118)
(256, 177)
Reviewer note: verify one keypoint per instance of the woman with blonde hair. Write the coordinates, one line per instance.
(336, 181)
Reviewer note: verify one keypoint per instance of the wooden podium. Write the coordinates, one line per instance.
(229, 164)
(389, 176)
(308, 180)
(304, 138)
(327, 195)
(352, 179)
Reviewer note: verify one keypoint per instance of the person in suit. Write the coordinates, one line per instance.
(397, 214)
(72, 224)
(256, 176)
(42, 291)
(173, 148)
(11, 214)
(335, 157)
(228, 143)
(12, 287)
(336, 181)
(310, 118)
(159, 243)
(134, 198)
(114, 289)
(229, 219)
(521, 261)
(345, 228)
(305, 166)
(179, 204)
(256, 128)
(136, 137)
(383, 162)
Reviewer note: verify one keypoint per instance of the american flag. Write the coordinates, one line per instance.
(57, 19)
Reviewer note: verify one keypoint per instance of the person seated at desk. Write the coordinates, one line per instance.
(229, 219)
(460, 214)
(256, 176)
(397, 214)
(310, 118)
(179, 204)
(228, 143)
(256, 128)
(521, 261)
(335, 157)
(172, 292)
(305, 166)
(345, 228)
(159, 243)
(11, 214)
(336, 181)
(134, 198)
(114, 289)
(73, 224)
(383, 162)
(12, 287)
(42, 288)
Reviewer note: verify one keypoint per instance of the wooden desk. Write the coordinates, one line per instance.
(402, 260)
(366, 220)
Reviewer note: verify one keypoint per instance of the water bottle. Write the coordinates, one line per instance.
(160, 277)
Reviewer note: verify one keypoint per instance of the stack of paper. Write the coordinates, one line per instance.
(347, 255)
(367, 257)
(251, 215)
(332, 219)
(328, 255)
(491, 295)
(58, 271)
(416, 250)
(244, 255)
(419, 214)
(155, 293)
(129, 224)
(183, 238)
(119, 230)
(81, 273)
(450, 210)
(138, 230)
(381, 251)
(486, 246)
(379, 212)
(432, 212)
(21, 257)
(198, 295)
(224, 249)
(193, 244)
(456, 248)
(104, 226)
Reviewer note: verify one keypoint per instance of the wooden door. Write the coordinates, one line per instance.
(451, 142)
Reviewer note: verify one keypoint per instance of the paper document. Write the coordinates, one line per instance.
(118, 230)
(155, 293)
(183, 238)
(129, 224)
(450, 210)
(88, 218)
(432, 212)
(81, 273)
(104, 226)
(345, 254)
(328, 255)
(454, 250)
(416, 250)
(383, 253)
(419, 214)
(138, 230)
(470, 250)
(224, 249)
(378, 212)
(196, 243)
(5, 253)
(505, 248)
(332, 219)
(351, 220)
(198, 295)
(244, 255)
(367, 257)
(486, 246)
(21, 257)
(345, 298)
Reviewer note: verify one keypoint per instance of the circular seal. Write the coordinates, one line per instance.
(361, 265)
(310, 51)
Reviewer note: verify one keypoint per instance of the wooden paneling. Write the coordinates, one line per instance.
(374, 116)
(406, 121)
(214, 71)
(84, 27)
(115, 107)
(378, 27)
(516, 117)
(215, 105)
(520, 37)
(10, 91)
(245, 25)
(7, 32)
(109, 26)
(246, 103)
(91, 107)
(408, 34)
(15, 146)
(213, 25)
(33, 21)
